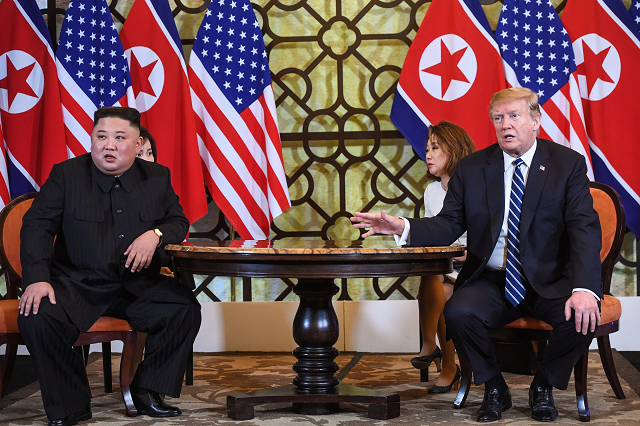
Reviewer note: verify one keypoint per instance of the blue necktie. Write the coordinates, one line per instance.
(514, 288)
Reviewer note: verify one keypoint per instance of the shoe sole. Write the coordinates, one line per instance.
(85, 416)
(159, 416)
(544, 420)
(420, 365)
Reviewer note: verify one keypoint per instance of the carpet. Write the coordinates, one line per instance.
(218, 375)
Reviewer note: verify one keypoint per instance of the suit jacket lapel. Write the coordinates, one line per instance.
(538, 173)
(494, 178)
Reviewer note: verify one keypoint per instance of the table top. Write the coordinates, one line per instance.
(297, 246)
(302, 258)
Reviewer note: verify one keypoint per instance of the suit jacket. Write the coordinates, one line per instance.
(560, 235)
(93, 218)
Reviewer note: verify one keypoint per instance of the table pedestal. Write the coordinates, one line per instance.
(315, 390)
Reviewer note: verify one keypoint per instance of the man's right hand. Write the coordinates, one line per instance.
(32, 296)
(379, 223)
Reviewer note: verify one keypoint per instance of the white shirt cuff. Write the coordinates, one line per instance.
(402, 239)
(587, 290)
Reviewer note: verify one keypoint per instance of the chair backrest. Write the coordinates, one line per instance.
(613, 223)
(10, 224)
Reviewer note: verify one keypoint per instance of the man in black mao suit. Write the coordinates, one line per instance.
(89, 248)
(559, 251)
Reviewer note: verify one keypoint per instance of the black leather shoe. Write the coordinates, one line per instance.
(83, 413)
(422, 362)
(446, 389)
(153, 406)
(541, 403)
(493, 405)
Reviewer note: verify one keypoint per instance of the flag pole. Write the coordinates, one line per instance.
(233, 279)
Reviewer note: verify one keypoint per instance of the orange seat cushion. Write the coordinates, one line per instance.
(110, 324)
(9, 320)
(9, 316)
(611, 310)
(529, 323)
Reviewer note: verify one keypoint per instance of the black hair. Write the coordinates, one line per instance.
(130, 114)
(146, 136)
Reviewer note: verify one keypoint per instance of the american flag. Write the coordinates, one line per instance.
(635, 12)
(92, 69)
(236, 119)
(538, 54)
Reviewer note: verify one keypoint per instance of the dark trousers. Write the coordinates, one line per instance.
(480, 305)
(50, 335)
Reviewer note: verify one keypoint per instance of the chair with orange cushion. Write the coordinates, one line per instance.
(612, 221)
(105, 330)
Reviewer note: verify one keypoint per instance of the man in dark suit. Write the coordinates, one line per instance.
(89, 248)
(533, 249)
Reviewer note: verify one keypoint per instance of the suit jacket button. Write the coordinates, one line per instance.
(119, 211)
(121, 236)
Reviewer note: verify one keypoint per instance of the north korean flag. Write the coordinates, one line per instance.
(4, 174)
(451, 71)
(30, 109)
(607, 55)
(162, 95)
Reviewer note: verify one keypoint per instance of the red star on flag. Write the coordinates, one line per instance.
(137, 70)
(592, 67)
(16, 81)
(448, 69)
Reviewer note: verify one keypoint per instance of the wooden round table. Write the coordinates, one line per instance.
(315, 263)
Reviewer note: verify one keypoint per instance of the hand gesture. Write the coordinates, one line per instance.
(586, 311)
(140, 252)
(32, 296)
(379, 223)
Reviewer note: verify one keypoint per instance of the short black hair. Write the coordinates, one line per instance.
(130, 114)
(146, 136)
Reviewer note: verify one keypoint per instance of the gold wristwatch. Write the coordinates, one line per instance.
(159, 235)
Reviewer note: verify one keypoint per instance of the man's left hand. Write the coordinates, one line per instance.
(140, 252)
(586, 309)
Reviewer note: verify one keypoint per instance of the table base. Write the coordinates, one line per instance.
(382, 405)
(316, 390)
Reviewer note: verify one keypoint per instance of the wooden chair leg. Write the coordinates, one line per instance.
(106, 366)
(7, 367)
(424, 375)
(128, 350)
(465, 382)
(85, 354)
(80, 351)
(604, 347)
(580, 374)
(542, 346)
(189, 378)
